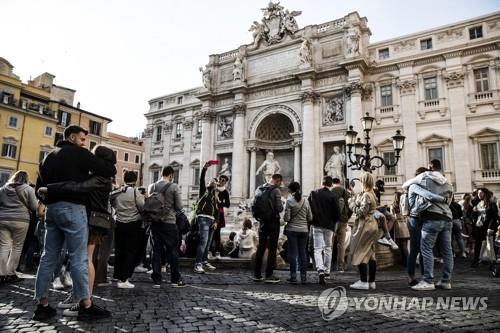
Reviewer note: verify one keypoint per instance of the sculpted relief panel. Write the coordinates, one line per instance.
(273, 63)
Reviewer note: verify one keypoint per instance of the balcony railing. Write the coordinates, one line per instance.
(431, 103)
(492, 175)
(481, 96)
(392, 180)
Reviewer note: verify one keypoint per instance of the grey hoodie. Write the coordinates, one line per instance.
(297, 215)
(15, 199)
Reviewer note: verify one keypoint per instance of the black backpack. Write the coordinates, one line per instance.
(263, 208)
(154, 206)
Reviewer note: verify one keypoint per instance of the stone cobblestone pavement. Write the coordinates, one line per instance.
(228, 301)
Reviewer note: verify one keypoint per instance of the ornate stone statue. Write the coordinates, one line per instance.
(352, 41)
(225, 169)
(289, 23)
(334, 111)
(258, 33)
(206, 77)
(225, 128)
(335, 165)
(239, 69)
(269, 167)
(305, 53)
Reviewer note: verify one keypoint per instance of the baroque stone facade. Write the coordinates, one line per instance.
(295, 91)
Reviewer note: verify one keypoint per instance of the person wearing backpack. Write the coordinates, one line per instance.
(342, 196)
(207, 215)
(266, 208)
(326, 215)
(160, 208)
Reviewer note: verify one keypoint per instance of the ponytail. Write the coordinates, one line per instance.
(297, 195)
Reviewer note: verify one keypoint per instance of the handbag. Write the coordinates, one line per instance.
(100, 220)
(487, 251)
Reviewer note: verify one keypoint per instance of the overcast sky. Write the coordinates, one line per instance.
(118, 54)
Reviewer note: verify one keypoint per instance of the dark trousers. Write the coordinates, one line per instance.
(216, 245)
(268, 238)
(142, 257)
(367, 271)
(297, 248)
(127, 248)
(165, 235)
(101, 257)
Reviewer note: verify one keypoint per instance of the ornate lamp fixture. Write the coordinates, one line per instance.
(363, 160)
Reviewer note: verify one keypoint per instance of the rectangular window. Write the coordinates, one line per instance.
(116, 153)
(24, 104)
(9, 150)
(386, 95)
(196, 176)
(137, 159)
(489, 156)
(92, 145)
(383, 54)
(58, 137)
(437, 154)
(426, 44)
(4, 177)
(94, 127)
(6, 98)
(180, 99)
(481, 78)
(156, 175)
(48, 131)
(199, 127)
(476, 32)
(160, 104)
(42, 155)
(158, 133)
(178, 130)
(430, 88)
(12, 122)
(389, 158)
(125, 157)
(64, 118)
(176, 175)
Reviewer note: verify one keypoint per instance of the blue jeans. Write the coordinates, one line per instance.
(297, 243)
(432, 231)
(204, 224)
(415, 229)
(64, 221)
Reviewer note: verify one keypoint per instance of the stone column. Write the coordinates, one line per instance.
(185, 178)
(253, 169)
(354, 90)
(207, 138)
(409, 120)
(462, 168)
(296, 162)
(238, 173)
(309, 142)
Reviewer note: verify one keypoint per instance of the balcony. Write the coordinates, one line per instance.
(487, 176)
(432, 105)
(483, 98)
(392, 180)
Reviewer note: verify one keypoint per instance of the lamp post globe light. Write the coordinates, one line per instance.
(362, 159)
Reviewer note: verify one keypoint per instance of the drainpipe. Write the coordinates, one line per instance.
(21, 144)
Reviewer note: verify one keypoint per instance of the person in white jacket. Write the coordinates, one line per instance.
(247, 240)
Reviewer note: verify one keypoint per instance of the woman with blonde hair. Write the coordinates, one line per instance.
(365, 234)
(17, 200)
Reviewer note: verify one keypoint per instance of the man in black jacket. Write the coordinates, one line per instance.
(66, 219)
(326, 215)
(269, 231)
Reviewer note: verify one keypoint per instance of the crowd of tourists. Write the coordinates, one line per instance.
(76, 217)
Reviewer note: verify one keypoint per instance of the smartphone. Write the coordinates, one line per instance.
(213, 162)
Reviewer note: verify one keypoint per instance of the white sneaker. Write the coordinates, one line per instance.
(198, 268)
(104, 284)
(209, 267)
(125, 285)
(443, 285)
(72, 312)
(384, 241)
(422, 285)
(57, 284)
(67, 281)
(394, 246)
(149, 272)
(163, 269)
(360, 285)
(140, 269)
(217, 255)
(372, 285)
(67, 303)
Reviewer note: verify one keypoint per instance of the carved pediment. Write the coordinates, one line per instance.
(386, 143)
(155, 166)
(434, 138)
(486, 132)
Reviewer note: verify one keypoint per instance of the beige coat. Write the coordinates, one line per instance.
(365, 232)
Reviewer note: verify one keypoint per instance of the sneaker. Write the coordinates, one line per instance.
(257, 279)
(372, 285)
(321, 277)
(93, 312)
(104, 284)
(67, 280)
(208, 267)
(443, 285)
(464, 255)
(140, 269)
(423, 285)
(198, 268)
(44, 312)
(384, 241)
(360, 285)
(412, 283)
(179, 284)
(439, 260)
(163, 269)
(125, 285)
(72, 311)
(67, 303)
(393, 245)
(328, 276)
(292, 280)
(217, 255)
(57, 284)
(149, 272)
(156, 284)
(272, 279)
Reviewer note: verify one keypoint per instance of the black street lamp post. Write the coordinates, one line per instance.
(364, 161)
